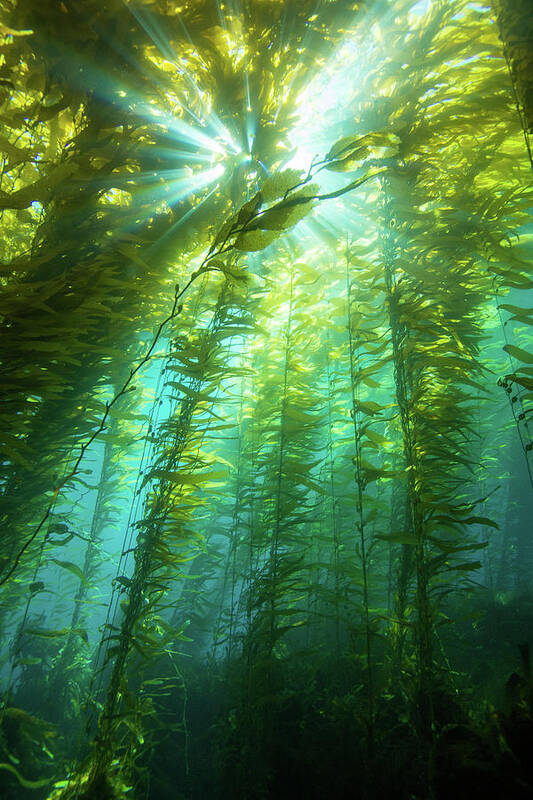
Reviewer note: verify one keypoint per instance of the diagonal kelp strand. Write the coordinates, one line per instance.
(227, 240)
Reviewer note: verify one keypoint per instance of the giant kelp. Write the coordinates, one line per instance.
(253, 349)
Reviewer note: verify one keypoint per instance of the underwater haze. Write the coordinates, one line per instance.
(266, 430)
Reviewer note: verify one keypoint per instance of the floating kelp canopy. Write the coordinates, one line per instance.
(267, 381)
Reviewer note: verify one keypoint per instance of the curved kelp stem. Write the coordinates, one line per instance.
(360, 486)
(162, 540)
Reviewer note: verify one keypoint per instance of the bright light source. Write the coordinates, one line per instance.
(420, 9)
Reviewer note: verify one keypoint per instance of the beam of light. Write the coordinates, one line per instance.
(170, 232)
(221, 15)
(172, 186)
(173, 154)
(247, 88)
(339, 85)
(420, 9)
(181, 130)
(152, 28)
(305, 40)
(158, 37)
(188, 214)
(251, 128)
(249, 116)
(330, 92)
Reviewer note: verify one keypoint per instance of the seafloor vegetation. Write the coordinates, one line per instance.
(266, 346)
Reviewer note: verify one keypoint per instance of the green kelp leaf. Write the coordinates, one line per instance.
(369, 407)
(301, 416)
(524, 319)
(190, 392)
(249, 210)
(279, 183)
(251, 241)
(518, 353)
(371, 383)
(238, 273)
(351, 186)
(277, 218)
(513, 278)
(58, 527)
(396, 620)
(134, 727)
(166, 683)
(451, 547)
(527, 383)
(350, 152)
(54, 634)
(23, 781)
(521, 312)
(5, 30)
(287, 213)
(173, 632)
(140, 649)
(345, 146)
(61, 542)
(75, 570)
(467, 566)
(225, 234)
(186, 478)
(373, 473)
(215, 262)
(122, 580)
(308, 274)
(481, 521)
(377, 438)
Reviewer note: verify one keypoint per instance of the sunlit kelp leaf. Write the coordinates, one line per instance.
(287, 212)
(190, 392)
(351, 152)
(377, 438)
(279, 183)
(251, 241)
(302, 417)
(250, 209)
(370, 407)
(224, 235)
(184, 478)
(5, 30)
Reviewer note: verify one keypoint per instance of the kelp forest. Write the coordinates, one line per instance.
(266, 427)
